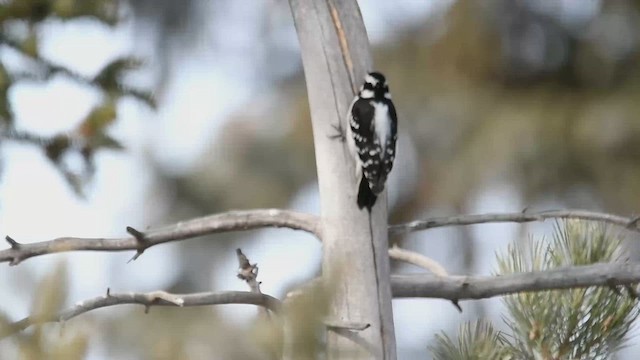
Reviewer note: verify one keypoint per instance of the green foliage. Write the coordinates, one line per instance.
(475, 341)
(569, 324)
(109, 79)
(303, 318)
(5, 324)
(91, 135)
(588, 323)
(38, 10)
(50, 294)
(6, 116)
(106, 11)
(41, 342)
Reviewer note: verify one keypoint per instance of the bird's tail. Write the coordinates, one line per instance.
(366, 197)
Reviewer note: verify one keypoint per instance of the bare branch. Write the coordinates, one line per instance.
(218, 223)
(482, 287)
(403, 286)
(261, 218)
(417, 259)
(422, 261)
(155, 298)
(518, 217)
(456, 287)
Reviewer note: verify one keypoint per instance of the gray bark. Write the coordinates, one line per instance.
(336, 56)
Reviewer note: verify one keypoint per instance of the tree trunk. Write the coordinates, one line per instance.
(336, 57)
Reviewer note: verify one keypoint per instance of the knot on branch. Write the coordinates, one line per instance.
(141, 240)
(16, 247)
(155, 297)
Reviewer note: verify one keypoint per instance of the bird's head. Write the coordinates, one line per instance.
(375, 87)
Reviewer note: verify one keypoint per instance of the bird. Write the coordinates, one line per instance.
(372, 133)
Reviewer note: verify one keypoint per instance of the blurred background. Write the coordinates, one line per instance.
(146, 112)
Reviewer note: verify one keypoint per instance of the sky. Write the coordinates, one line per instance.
(36, 203)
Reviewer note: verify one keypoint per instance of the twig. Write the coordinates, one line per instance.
(417, 259)
(24, 137)
(218, 223)
(352, 326)
(14, 244)
(422, 261)
(142, 241)
(155, 298)
(248, 272)
(518, 217)
(482, 287)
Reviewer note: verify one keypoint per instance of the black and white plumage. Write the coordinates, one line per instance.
(372, 135)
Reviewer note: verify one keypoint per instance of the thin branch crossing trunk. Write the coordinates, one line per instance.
(336, 57)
